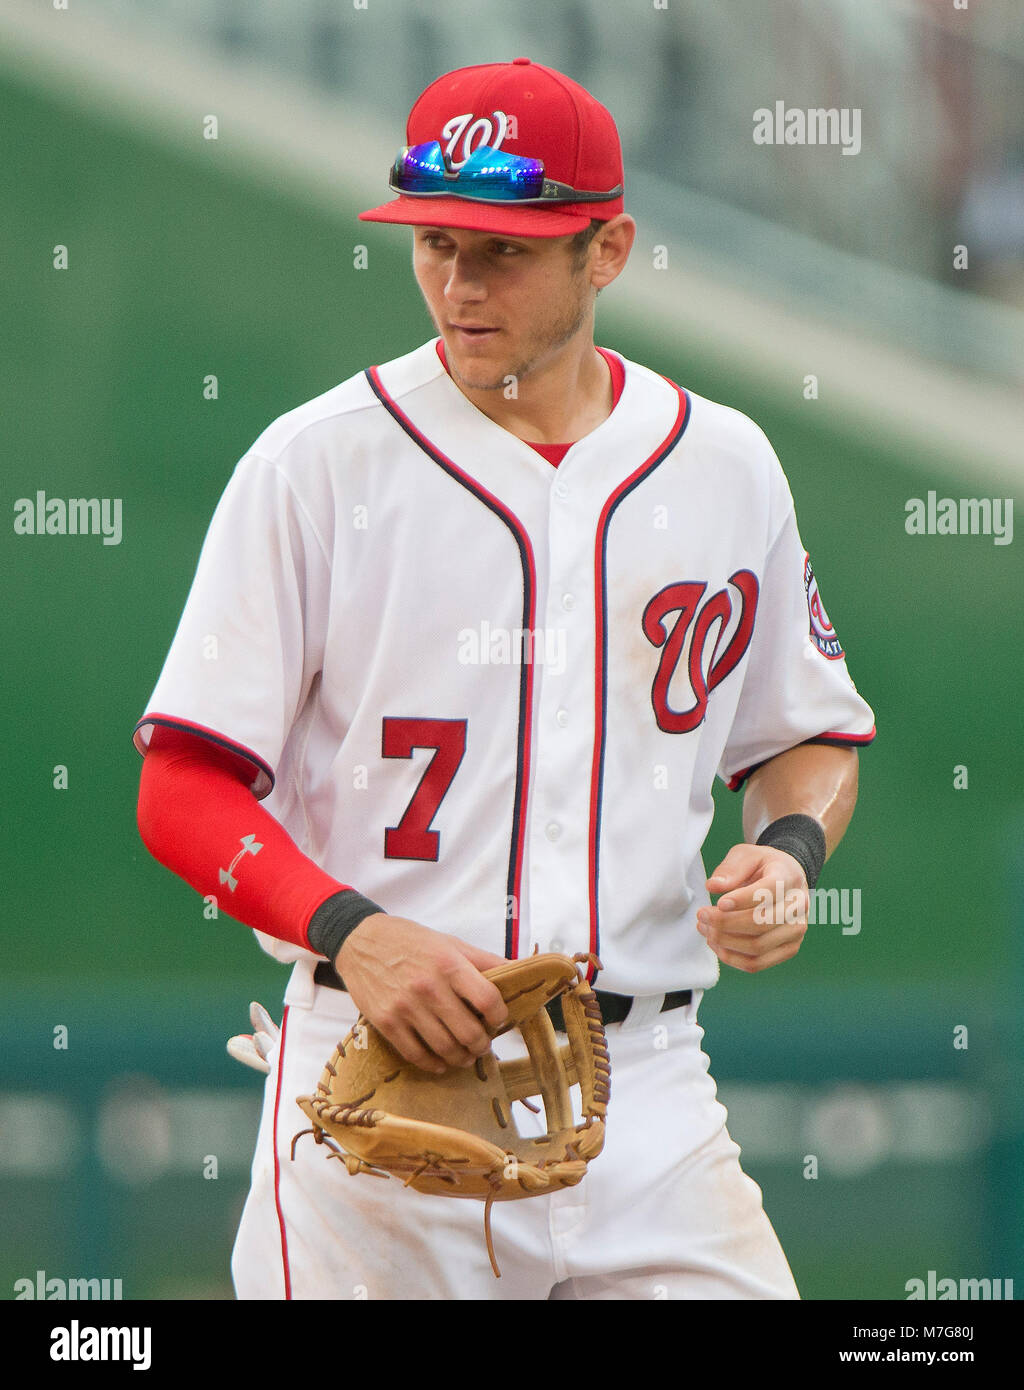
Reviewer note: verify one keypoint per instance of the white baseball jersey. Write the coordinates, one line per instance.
(491, 694)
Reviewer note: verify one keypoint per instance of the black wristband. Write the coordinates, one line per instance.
(335, 920)
(800, 836)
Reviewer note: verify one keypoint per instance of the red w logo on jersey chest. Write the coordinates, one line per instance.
(705, 672)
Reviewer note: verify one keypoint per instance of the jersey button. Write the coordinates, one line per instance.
(552, 830)
(562, 717)
(561, 489)
(568, 602)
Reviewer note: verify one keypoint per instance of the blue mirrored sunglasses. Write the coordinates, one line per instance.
(487, 176)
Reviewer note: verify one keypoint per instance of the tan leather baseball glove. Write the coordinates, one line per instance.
(453, 1134)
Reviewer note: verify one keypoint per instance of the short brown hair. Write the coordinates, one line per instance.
(580, 244)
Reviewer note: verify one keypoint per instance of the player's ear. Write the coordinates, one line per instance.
(611, 247)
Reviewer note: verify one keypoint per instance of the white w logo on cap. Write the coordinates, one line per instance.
(458, 128)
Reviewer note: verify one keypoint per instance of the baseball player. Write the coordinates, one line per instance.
(470, 637)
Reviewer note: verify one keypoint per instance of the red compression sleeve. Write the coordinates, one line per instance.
(197, 816)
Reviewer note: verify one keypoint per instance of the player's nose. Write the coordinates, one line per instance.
(465, 280)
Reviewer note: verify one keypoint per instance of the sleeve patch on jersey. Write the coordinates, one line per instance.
(823, 634)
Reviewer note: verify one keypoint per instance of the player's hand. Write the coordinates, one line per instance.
(423, 989)
(760, 918)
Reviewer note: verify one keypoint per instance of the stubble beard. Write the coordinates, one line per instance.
(560, 334)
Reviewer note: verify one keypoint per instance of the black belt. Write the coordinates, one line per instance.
(614, 1007)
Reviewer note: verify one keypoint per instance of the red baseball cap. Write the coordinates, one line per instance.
(522, 108)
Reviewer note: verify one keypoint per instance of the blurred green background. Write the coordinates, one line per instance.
(180, 268)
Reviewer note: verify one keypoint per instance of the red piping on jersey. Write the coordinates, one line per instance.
(831, 738)
(277, 1160)
(845, 738)
(514, 883)
(171, 721)
(601, 673)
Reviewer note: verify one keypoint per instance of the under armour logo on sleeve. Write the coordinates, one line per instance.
(249, 845)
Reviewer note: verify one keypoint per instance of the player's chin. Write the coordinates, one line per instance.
(475, 376)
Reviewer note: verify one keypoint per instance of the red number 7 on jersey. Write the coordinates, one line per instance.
(412, 837)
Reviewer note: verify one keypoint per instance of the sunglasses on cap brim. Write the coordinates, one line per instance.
(487, 176)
